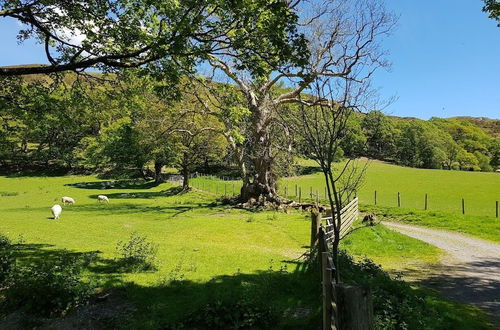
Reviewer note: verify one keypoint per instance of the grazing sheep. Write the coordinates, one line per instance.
(56, 211)
(103, 198)
(67, 200)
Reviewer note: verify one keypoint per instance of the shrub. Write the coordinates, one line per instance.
(7, 259)
(50, 288)
(137, 254)
(396, 304)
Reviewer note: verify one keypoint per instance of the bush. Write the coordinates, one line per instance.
(137, 254)
(50, 288)
(7, 259)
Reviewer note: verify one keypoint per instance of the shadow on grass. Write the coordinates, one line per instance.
(126, 208)
(279, 299)
(36, 254)
(265, 299)
(173, 191)
(288, 298)
(114, 184)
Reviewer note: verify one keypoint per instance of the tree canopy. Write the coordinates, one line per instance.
(492, 7)
(165, 35)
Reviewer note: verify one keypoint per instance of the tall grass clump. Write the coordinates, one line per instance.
(137, 253)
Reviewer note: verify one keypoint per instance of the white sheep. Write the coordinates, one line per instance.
(102, 198)
(67, 200)
(56, 211)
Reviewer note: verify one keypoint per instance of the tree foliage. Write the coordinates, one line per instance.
(167, 36)
(492, 7)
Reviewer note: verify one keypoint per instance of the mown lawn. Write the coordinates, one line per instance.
(206, 251)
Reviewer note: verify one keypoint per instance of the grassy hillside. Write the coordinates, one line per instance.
(445, 189)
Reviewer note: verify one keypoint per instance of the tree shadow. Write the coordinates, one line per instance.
(172, 191)
(130, 208)
(115, 184)
(291, 297)
(33, 254)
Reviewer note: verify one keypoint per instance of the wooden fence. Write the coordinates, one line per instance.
(348, 214)
(344, 306)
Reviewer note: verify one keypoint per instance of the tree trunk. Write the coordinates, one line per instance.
(185, 172)
(263, 179)
(263, 183)
(185, 178)
(158, 175)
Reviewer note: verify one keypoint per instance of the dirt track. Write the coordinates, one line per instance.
(470, 271)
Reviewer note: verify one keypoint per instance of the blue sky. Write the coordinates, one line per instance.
(445, 58)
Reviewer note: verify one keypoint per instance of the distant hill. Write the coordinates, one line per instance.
(490, 126)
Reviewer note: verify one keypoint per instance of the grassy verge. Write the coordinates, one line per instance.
(487, 228)
(390, 249)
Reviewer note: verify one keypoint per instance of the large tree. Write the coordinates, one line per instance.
(492, 7)
(342, 42)
(166, 34)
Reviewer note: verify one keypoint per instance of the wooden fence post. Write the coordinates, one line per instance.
(300, 194)
(375, 197)
(233, 189)
(425, 202)
(317, 197)
(315, 225)
(399, 199)
(496, 209)
(327, 292)
(296, 191)
(311, 192)
(463, 206)
(355, 307)
(286, 191)
(321, 243)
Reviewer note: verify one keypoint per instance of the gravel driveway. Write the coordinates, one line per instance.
(470, 271)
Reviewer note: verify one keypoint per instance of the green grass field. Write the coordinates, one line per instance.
(206, 251)
(445, 189)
